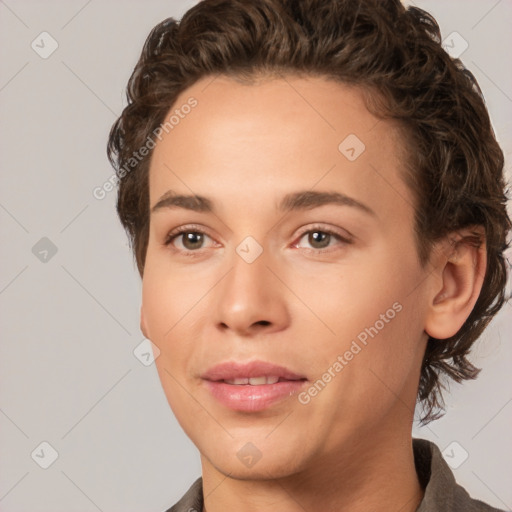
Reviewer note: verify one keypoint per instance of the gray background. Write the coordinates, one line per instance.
(70, 323)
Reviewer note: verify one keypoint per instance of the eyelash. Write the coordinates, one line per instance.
(345, 240)
(197, 230)
(180, 231)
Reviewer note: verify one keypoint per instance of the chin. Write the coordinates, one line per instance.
(271, 470)
(245, 460)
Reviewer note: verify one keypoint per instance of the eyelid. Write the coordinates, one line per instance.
(188, 228)
(345, 237)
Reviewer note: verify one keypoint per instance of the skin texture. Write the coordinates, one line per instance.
(245, 147)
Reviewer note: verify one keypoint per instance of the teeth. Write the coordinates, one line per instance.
(238, 381)
(257, 381)
(253, 381)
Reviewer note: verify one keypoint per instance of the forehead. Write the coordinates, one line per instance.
(241, 140)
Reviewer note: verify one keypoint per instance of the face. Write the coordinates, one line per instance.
(297, 265)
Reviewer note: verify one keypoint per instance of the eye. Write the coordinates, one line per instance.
(191, 239)
(320, 239)
(187, 238)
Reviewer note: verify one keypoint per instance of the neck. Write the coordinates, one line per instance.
(376, 474)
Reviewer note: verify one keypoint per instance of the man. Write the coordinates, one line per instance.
(315, 199)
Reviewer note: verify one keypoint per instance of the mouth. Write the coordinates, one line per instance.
(253, 386)
(257, 381)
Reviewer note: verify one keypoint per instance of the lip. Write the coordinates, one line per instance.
(246, 397)
(233, 370)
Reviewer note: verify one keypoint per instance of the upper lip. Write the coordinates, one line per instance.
(235, 370)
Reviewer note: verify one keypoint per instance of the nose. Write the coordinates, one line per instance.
(251, 299)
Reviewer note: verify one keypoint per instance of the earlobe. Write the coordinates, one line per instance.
(462, 275)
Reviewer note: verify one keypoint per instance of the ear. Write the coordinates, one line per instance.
(460, 264)
(143, 323)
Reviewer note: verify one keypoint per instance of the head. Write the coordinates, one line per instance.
(244, 104)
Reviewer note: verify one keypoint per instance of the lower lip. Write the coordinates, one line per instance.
(253, 398)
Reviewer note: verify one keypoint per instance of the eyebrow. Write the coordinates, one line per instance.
(302, 200)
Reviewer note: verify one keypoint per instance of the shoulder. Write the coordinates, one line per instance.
(442, 492)
(192, 500)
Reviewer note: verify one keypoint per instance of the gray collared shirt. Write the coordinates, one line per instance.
(442, 493)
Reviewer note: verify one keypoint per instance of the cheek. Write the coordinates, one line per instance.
(346, 300)
(168, 309)
(374, 371)
(371, 318)
(168, 296)
(175, 304)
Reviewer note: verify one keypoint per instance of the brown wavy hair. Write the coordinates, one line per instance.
(394, 54)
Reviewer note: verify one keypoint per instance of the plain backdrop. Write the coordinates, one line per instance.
(72, 371)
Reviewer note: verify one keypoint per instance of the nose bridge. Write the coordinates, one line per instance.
(250, 293)
(245, 283)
